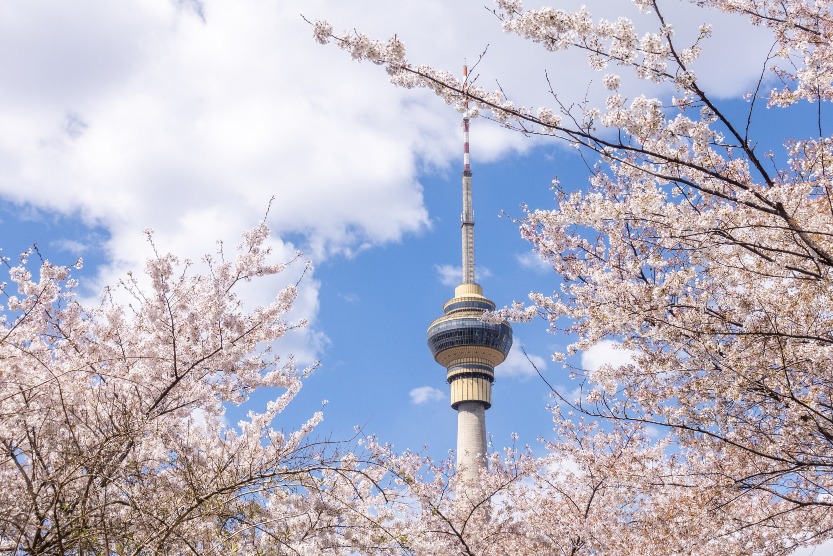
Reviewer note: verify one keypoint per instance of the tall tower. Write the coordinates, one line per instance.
(467, 347)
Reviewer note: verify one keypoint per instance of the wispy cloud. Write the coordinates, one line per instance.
(426, 394)
(70, 245)
(531, 260)
(517, 365)
(349, 297)
(451, 275)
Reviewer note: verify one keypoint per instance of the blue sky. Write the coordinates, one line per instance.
(187, 117)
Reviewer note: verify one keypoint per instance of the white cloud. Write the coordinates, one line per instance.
(602, 359)
(531, 260)
(576, 394)
(450, 275)
(517, 365)
(144, 115)
(69, 245)
(426, 394)
(606, 352)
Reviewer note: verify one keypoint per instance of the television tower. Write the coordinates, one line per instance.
(466, 346)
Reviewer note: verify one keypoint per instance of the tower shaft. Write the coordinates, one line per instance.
(471, 436)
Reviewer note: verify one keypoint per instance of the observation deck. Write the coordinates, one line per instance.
(467, 347)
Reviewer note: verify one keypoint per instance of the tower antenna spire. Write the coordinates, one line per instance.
(467, 216)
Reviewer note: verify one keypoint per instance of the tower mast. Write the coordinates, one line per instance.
(465, 345)
(467, 216)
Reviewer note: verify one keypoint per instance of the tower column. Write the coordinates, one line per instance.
(471, 437)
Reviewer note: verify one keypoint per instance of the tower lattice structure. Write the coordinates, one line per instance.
(465, 345)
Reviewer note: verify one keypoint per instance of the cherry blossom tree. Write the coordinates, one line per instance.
(113, 437)
(610, 491)
(706, 256)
